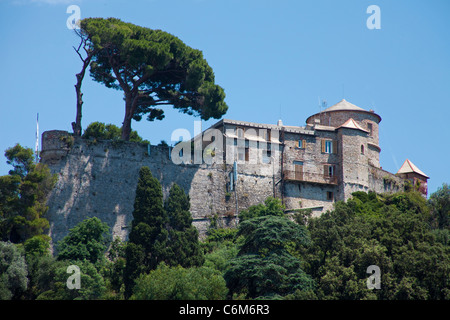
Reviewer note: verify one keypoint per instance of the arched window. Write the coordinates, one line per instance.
(362, 149)
(240, 132)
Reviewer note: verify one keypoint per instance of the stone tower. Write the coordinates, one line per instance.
(356, 134)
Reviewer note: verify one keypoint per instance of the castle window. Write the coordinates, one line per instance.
(370, 128)
(362, 149)
(329, 146)
(330, 195)
(266, 155)
(265, 134)
(329, 170)
(301, 144)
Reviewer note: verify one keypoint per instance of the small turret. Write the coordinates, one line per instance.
(410, 172)
(55, 145)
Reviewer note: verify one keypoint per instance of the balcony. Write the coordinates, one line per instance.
(298, 176)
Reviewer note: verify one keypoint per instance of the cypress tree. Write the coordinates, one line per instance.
(183, 247)
(147, 229)
(160, 231)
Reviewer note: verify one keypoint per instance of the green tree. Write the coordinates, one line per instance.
(36, 250)
(440, 207)
(390, 231)
(220, 248)
(134, 266)
(160, 232)
(52, 281)
(23, 196)
(21, 159)
(272, 206)
(153, 68)
(178, 283)
(182, 247)
(100, 131)
(85, 241)
(114, 269)
(13, 272)
(37, 246)
(148, 235)
(267, 264)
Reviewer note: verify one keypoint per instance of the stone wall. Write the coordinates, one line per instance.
(99, 178)
(382, 181)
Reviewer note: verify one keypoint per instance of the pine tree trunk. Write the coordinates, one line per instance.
(126, 125)
(76, 126)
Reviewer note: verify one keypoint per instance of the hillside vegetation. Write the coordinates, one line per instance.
(268, 256)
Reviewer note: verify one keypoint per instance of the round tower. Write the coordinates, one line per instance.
(55, 146)
(347, 115)
(341, 112)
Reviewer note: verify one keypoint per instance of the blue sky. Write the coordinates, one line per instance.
(273, 58)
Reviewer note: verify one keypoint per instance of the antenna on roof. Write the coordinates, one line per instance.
(322, 104)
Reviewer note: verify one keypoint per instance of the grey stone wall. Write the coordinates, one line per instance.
(100, 178)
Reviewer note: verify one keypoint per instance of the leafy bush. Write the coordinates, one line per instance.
(178, 283)
(100, 131)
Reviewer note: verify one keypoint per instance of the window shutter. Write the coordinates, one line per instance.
(296, 144)
(334, 146)
(304, 144)
(323, 146)
(325, 170)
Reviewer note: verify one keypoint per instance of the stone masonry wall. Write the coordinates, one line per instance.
(100, 179)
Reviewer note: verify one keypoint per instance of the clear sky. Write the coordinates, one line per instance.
(274, 58)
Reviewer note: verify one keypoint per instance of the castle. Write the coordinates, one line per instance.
(225, 169)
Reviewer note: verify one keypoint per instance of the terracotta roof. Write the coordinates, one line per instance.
(352, 124)
(408, 167)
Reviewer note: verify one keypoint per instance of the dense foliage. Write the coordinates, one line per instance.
(23, 194)
(269, 256)
(161, 231)
(178, 283)
(391, 231)
(266, 264)
(100, 131)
